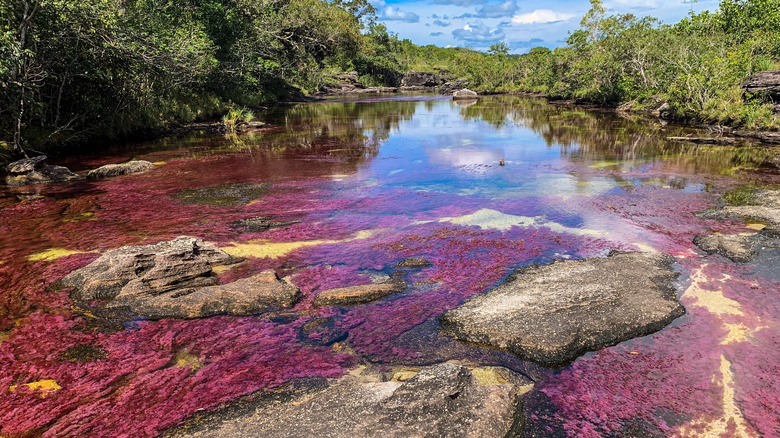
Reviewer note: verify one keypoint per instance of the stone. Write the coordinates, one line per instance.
(464, 94)
(259, 223)
(247, 296)
(452, 86)
(351, 295)
(552, 314)
(110, 170)
(705, 140)
(767, 82)
(25, 165)
(180, 263)
(34, 171)
(413, 262)
(766, 208)
(736, 247)
(419, 79)
(443, 400)
(224, 195)
(763, 136)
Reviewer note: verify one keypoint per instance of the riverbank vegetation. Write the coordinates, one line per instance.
(73, 72)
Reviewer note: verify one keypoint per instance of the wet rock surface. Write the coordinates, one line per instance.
(351, 295)
(179, 263)
(552, 314)
(35, 171)
(111, 170)
(765, 206)
(704, 140)
(413, 262)
(419, 79)
(260, 223)
(444, 400)
(736, 247)
(247, 296)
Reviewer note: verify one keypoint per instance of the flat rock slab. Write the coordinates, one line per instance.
(767, 208)
(365, 293)
(247, 296)
(444, 400)
(736, 247)
(111, 170)
(554, 313)
(180, 263)
(413, 262)
(225, 195)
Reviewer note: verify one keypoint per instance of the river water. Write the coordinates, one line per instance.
(366, 183)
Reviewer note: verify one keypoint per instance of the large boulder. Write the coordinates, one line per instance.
(35, 171)
(767, 82)
(465, 94)
(444, 400)
(174, 280)
(552, 314)
(247, 296)
(110, 170)
(420, 79)
(183, 262)
(736, 247)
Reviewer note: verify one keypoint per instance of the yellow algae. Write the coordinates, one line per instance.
(714, 301)
(757, 227)
(221, 269)
(80, 217)
(488, 376)
(51, 254)
(265, 248)
(603, 164)
(159, 163)
(184, 358)
(496, 220)
(405, 374)
(44, 386)
(731, 423)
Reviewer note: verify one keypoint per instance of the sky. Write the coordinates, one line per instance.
(521, 24)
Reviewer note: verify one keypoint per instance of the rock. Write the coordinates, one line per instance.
(247, 296)
(663, 111)
(766, 137)
(110, 170)
(444, 400)
(552, 314)
(259, 223)
(419, 79)
(35, 171)
(452, 86)
(25, 165)
(413, 262)
(180, 263)
(705, 140)
(464, 94)
(225, 195)
(767, 82)
(735, 247)
(348, 296)
(767, 208)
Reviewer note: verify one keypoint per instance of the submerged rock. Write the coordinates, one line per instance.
(110, 170)
(736, 247)
(413, 262)
(247, 296)
(444, 400)
(554, 313)
(260, 223)
(705, 140)
(180, 263)
(365, 293)
(225, 195)
(464, 94)
(35, 171)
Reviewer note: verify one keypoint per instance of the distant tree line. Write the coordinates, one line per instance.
(71, 71)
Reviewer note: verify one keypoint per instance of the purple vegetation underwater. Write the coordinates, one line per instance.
(147, 376)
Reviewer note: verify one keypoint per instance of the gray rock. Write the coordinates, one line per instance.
(767, 208)
(767, 82)
(224, 195)
(419, 79)
(464, 94)
(413, 262)
(365, 293)
(552, 314)
(35, 171)
(452, 86)
(25, 165)
(764, 136)
(180, 263)
(443, 400)
(736, 247)
(260, 223)
(247, 296)
(110, 170)
(704, 140)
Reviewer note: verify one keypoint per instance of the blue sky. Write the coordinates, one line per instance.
(520, 24)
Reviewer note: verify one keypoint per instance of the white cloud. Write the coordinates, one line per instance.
(478, 33)
(395, 14)
(496, 10)
(541, 16)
